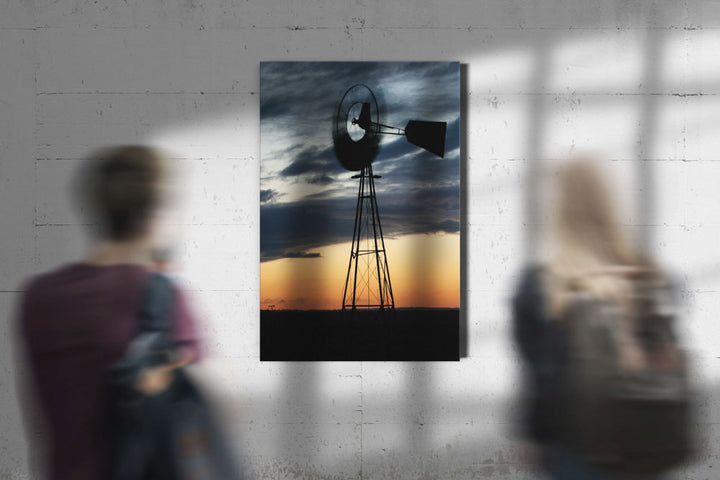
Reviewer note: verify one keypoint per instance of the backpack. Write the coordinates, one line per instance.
(173, 435)
(626, 393)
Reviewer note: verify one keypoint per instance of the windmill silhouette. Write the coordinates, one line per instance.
(356, 138)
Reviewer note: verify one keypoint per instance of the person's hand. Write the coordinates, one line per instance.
(154, 380)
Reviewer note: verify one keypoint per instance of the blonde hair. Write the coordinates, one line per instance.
(591, 254)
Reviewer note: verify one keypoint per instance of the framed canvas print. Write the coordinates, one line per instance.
(359, 210)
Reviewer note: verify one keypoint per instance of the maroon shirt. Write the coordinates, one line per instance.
(75, 322)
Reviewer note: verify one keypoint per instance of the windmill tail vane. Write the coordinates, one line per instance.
(427, 135)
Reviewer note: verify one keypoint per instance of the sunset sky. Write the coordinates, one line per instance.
(308, 199)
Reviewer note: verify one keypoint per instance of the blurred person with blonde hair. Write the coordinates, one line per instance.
(74, 322)
(592, 269)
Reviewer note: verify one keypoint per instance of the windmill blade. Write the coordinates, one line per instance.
(365, 122)
(427, 135)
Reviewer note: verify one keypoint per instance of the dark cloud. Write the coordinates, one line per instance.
(314, 165)
(312, 160)
(288, 228)
(418, 191)
(302, 255)
(421, 209)
(302, 97)
(268, 195)
(321, 180)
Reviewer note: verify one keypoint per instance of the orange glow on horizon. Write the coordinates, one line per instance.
(424, 271)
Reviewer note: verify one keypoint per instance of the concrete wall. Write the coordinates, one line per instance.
(636, 80)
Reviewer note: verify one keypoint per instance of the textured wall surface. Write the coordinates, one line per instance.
(635, 80)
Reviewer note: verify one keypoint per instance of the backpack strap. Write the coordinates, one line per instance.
(156, 307)
(152, 344)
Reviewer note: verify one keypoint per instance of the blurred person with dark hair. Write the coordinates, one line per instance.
(76, 321)
(591, 264)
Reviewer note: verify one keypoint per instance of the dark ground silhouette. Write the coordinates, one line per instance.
(405, 334)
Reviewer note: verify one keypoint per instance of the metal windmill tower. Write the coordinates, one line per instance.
(356, 136)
